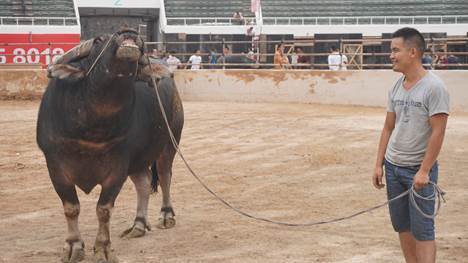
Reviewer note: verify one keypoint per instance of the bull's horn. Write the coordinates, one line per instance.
(79, 51)
(65, 71)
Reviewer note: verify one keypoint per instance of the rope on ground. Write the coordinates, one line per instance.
(437, 195)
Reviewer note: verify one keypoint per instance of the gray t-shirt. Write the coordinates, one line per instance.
(413, 109)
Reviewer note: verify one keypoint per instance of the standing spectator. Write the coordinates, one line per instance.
(427, 59)
(195, 61)
(280, 59)
(237, 18)
(212, 58)
(222, 58)
(294, 58)
(173, 62)
(301, 58)
(155, 58)
(337, 61)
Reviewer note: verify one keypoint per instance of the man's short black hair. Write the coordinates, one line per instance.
(334, 48)
(411, 36)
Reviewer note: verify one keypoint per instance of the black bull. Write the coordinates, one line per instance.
(101, 127)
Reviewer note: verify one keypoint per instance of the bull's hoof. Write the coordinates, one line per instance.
(167, 219)
(105, 255)
(166, 223)
(137, 230)
(73, 252)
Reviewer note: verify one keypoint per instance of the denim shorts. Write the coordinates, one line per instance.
(403, 214)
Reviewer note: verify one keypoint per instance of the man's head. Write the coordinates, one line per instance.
(333, 49)
(155, 52)
(197, 52)
(280, 47)
(407, 47)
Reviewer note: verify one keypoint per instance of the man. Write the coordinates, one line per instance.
(417, 112)
(280, 59)
(302, 59)
(173, 61)
(155, 58)
(195, 60)
(336, 61)
(427, 59)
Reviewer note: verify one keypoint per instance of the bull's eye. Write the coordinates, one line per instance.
(99, 40)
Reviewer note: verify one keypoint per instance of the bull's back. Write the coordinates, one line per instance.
(149, 134)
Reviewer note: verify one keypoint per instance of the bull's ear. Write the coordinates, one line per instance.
(65, 71)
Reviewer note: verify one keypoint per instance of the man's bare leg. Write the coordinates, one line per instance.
(408, 246)
(426, 251)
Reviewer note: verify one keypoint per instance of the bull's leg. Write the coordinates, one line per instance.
(73, 250)
(102, 247)
(164, 168)
(142, 183)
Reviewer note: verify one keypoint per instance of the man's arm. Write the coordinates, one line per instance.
(384, 138)
(438, 123)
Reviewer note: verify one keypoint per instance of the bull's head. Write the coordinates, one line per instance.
(114, 54)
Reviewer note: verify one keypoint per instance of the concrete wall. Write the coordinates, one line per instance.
(22, 84)
(369, 87)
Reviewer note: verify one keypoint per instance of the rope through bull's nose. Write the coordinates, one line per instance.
(100, 54)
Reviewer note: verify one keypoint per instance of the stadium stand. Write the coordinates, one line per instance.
(352, 8)
(207, 8)
(37, 8)
(53, 8)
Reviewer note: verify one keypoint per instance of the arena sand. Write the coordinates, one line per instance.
(289, 162)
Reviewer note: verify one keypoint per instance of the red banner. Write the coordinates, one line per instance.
(35, 48)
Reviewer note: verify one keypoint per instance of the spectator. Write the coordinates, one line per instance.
(441, 60)
(280, 60)
(155, 58)
(237, 18)
(173, 62)
(453, 60)
(337, 61)
(226, 52)
(294, 58)
(251, 55)
(250, 31)
(301, 58)
(195, 61)
(212, 58)
(427, 59)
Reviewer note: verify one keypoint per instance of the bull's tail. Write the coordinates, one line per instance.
(154, 177)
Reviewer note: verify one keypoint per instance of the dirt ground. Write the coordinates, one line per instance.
(289, 162)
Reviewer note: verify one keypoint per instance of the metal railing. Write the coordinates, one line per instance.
(38, 21)
(33, 56)
(366, 20)
(210, 21)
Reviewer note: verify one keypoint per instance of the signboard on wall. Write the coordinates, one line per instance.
(35, 48)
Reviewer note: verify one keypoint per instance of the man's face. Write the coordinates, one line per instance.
(198, 53)
(402, 55)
